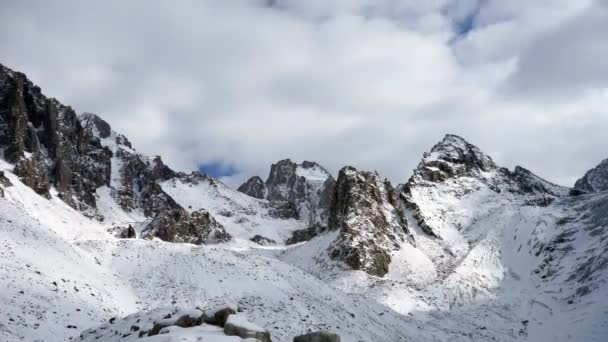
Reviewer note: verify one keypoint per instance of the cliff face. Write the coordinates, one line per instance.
(47, 143)
(370, 225)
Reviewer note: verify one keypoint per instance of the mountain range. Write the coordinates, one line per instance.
(103, 243)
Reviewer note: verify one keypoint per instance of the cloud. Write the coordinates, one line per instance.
(240, 84)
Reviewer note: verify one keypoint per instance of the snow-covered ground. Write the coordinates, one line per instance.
(502, 270)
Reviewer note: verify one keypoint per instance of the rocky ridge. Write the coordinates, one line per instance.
(307, 187)
(594, 180)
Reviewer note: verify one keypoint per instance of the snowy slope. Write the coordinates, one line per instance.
(242, 216)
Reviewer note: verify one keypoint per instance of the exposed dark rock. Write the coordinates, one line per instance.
(219, 315)
(187, 319)
(594, 180)
(31, 123)
(128, 233)
(305, 234)
(4, 182)
(178, 225)
(264, 241)
(319, 336)
(34, 173)
(369, 224)
(254, 187)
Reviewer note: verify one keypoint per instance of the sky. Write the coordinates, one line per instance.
(230, 86)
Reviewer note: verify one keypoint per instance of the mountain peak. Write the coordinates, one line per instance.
(452, 157)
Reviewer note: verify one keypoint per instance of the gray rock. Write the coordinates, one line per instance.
(319, 336)
(237, 325)
(184, 319)
(219, 315)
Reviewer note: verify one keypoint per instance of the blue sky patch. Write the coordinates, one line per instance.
(217, 169)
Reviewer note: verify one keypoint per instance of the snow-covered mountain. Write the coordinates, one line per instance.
(103, 243)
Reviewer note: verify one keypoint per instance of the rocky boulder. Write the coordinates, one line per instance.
(127, 233)
(370, 225)
(238, 325)
(178, 225)
(319, 336)
(183, 319)
(263, 241)
(305, 234)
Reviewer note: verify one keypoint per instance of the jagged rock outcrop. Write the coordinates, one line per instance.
(307, 186)
(254, 187)
(594, 180)
(178, 225)
(34, 125)
(364, 211)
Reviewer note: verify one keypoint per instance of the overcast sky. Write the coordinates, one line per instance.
(370, 83)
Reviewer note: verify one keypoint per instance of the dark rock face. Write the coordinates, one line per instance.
(34, 173)
(139, 184)
(180, 226)
(30, 123)
(306, 187)
(254, 187)
(319, 336)
(369, 223)
(594, 180)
